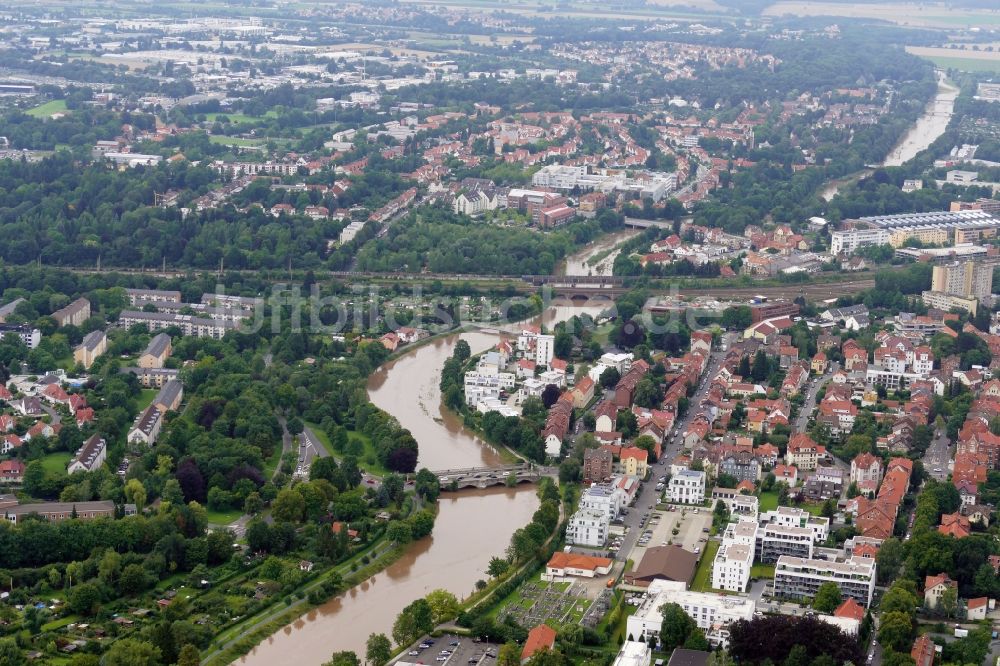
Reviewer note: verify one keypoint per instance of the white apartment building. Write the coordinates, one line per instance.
(479, 387)
(588, 527)
(777, 541)
(849, 240)
(544, 349)
(800, 578)
(741, 533)
(687, 487)
(620, 362)
(790, 516)
(604, 498)
(731, 568)
(704, 608)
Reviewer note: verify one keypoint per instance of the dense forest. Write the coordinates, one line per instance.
(439, 241)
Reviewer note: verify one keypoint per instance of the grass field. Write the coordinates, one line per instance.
(703, 576)
(223, 517)
(762, 571)
(768, 501)
(272, 463)
(55, 463)
(238, 142)
(47, 109)
(146, 398)
(367, 460)
(965, 64)
(236, 117)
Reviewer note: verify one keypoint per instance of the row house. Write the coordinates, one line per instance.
(557, 424)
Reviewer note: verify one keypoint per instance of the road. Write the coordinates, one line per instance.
(648, 496)
(809, 406)
(937, 458)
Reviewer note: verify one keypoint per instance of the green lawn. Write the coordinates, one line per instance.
(812, 508)
(236, 141)
(224, 517)
(762, 571)
(146, 398)
(47, 109)
(965, 64)
(703, 576)
(61, 622)
(272, 463)
(367, 461)
(768, 501)
(55, 463)
(233, 117)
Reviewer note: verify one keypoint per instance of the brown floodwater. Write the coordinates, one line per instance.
(454, 557)
(472, 526)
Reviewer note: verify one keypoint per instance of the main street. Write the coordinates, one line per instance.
(937, 458)
(648, 495)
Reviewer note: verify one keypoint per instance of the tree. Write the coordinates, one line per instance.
(10, 654)
(462, 351)
(253, 504)
(677, 625)
(378, 650)
(550, 394)
(889, 559)
(827, 598)
(133, 580)
(84, 599)
(131, 652)
(509, 654)
(413, 621)
(135, 493)
(896, 631)
(346, 658)
(948, 602)
(289, 506)
(189, 656)
(444, 605)
(609, 378)
(498, 566)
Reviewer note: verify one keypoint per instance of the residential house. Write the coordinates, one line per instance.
(583, 393)
(802, 452)
(93, 345)
(935, 587)
(157, 351)
(90, 456)
(73, 314)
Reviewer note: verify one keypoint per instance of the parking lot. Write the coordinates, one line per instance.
(658, 530)
(450, 650)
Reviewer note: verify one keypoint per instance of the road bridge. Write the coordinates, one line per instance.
(484, 477)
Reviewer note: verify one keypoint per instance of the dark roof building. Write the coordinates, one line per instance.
(663, 563)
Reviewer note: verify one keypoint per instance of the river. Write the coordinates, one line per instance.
(472, 526)
(925, 131)
(577, 263)
(928, 127)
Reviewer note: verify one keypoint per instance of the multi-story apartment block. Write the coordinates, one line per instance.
(93, 345)
(789, 516)
(687, 487)
(707, 610)
(776, 541)
(140, 296)
(588, 527)
(187, 324)
(800, 578)
(28, 335)
(731, 568)
(969, 279)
